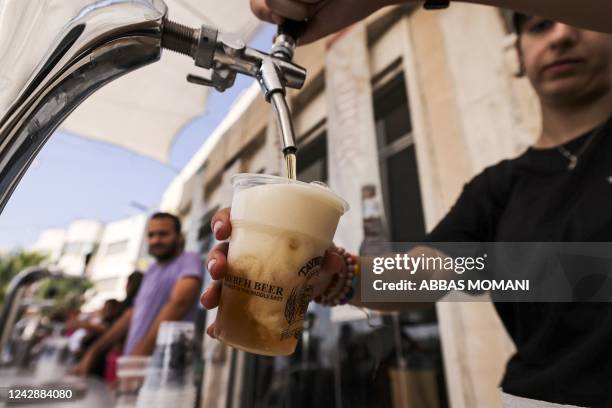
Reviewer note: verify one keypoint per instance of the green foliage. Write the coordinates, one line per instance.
(65, 292)
(13, 263)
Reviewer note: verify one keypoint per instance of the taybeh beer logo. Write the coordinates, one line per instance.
(311, 268)
(297, 302)
(254, 288)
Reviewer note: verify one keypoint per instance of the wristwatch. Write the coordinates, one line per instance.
(436, 4)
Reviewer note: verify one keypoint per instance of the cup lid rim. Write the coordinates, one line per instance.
(129, 359)
(271, 179)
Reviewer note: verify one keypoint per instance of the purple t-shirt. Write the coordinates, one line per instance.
(154, 293)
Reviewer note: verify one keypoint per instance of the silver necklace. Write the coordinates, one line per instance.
(573, 158)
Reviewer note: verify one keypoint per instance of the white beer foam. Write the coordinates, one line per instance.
(299, 207)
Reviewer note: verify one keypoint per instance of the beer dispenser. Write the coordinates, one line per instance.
(226, 55)
(81, 45)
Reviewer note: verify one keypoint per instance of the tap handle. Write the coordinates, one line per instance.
(292, 28)
(288, 34)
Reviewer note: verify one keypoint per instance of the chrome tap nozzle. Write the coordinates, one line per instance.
(227, 55)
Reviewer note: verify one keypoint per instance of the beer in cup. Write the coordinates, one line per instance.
(281, 229)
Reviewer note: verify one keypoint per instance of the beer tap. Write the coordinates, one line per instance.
(97, 44)
(227, 55)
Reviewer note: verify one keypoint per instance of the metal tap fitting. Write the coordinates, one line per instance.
(227, 55)
(271, 80)
(211, 49)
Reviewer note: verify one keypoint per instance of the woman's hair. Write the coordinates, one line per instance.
(518, 21)
(133, 284)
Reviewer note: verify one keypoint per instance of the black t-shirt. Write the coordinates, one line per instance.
(564, 350)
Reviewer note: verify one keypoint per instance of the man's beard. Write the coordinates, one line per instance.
(167, 254)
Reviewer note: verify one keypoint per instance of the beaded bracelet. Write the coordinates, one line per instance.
(342, 286)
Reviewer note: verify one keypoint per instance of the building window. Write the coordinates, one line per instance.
(312, 160)
(398, 163)
(206, 238)
(107, 284)
(72, 248)
(78, 248)
(117, 247)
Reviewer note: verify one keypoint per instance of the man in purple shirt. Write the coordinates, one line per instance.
(169, 292)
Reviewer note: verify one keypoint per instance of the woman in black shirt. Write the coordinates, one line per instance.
(560, 189)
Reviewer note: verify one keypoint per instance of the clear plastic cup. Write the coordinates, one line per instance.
(281, 229)
(170, 378)
(131, 372)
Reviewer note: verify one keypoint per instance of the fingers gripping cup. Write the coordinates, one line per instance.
(281, 229)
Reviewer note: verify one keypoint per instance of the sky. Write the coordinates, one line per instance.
(75, 178)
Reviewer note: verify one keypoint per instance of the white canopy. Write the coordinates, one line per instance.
(146, 109)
